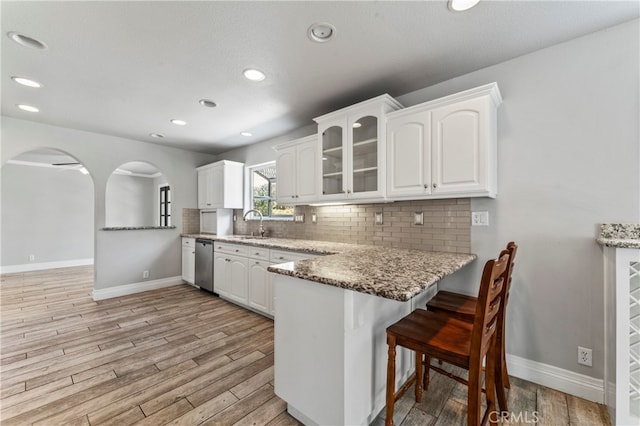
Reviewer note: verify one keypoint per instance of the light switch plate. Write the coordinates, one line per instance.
(314, 218)
(418, 218)
(298, 218)
(378, 218)
(479, 218)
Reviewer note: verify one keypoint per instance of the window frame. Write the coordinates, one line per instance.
(164, 219)
(249, 197)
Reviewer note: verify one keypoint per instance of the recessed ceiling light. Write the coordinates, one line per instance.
(356, 125)
(253, 74)
(179, 122)
(246, 133)
(207, 103)
(26, 82)
(26, 41)
(321, 32)
(156, 135)
(28, 108)
(461, 5)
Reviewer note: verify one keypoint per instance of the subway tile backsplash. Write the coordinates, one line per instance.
(446, 225)
(190, 221)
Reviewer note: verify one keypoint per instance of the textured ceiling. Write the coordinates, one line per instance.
(127, 68)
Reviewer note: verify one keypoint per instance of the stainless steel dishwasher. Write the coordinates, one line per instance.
(204, 264)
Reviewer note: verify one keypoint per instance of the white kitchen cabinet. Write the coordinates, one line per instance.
(238, 272)
(444, 148)
(297, 171)
(352, 150)
(221, 280)
(220, 185)
(259, 281)
(189, 260)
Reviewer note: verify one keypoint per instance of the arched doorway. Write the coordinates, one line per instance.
(47, 212)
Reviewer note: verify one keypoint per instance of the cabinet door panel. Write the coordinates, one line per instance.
(307, 163)
(259, 293)
(188, 264)
(408, 155)
(238, 278)
(333, 158)
(286, 175)
(458, 147)
(221, 282)
(216, 183)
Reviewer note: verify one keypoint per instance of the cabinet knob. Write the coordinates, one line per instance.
(257, 263)
(193, 252)
(426, 186)
(257, 253)
(208, 204)
(281, 257)
(435, 185)
(237, 250)
(227, 260)
(293, 196)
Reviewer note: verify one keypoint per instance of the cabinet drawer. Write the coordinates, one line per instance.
(258, 253)
(230, 248)
(188, 242)
(282, 256)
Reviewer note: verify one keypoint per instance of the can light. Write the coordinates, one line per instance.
(178, 122)
(26, 82)
(253, 74)
(247, 134)
(28, 108)
(461, 5)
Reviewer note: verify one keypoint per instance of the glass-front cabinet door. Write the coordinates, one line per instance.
(364, 155)
(332, 160)
(352, 148)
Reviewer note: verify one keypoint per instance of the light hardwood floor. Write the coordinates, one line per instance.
(176, 356)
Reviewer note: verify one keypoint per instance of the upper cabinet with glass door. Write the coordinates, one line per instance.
(352, 150)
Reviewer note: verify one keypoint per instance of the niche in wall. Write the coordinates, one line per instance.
(137, 196)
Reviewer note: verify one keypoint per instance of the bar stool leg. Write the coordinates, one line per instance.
(418, 377)
(391, 379)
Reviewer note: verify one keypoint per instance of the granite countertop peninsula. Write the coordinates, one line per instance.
(620, 235)
(398, 274)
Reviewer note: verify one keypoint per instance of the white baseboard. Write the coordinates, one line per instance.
(557, 378)
(9, 269)
(123, 290)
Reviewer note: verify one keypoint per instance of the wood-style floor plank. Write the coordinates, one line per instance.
(177, 356)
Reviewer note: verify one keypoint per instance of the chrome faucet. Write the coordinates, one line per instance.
(261, 229)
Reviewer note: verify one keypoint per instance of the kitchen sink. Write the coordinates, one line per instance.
(250, 237)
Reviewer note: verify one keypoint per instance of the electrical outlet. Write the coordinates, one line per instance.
(479, 218)
(145, 274)
(584, 356)
(32, 258)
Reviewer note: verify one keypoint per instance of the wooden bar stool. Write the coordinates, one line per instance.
(463, 307)
(454, 341)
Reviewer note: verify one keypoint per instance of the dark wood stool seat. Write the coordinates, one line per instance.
(457, 305)
(457, 342)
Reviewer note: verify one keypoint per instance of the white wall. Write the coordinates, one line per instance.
(569, 159)
(120, 256)
(47, 213)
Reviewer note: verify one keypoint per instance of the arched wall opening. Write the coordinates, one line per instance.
(47, 219)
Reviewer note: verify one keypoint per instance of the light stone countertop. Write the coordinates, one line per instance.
(620, 235)
(392, 273)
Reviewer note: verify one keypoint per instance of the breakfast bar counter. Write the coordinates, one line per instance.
(331, 316)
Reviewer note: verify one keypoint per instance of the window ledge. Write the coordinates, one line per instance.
(134, 228)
